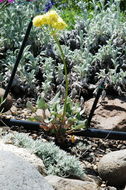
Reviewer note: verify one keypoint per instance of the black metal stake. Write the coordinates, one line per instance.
(18, 60)
(100, 89)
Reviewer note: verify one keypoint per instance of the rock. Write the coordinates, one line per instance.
(18, 174)
(111, 188)
(14, 110)
(8, 102)
(60, 183)
(25, 155)
(110, 114)
(92, 178)
(112, 168)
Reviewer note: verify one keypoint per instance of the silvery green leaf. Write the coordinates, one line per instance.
(30, 106)
(41, 104)
(55, 99)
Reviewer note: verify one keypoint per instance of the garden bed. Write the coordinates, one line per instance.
(51, 85)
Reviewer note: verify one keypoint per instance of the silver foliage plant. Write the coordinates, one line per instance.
(57, 161)
(98, 36)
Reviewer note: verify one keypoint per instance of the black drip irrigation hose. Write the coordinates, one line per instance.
(100, 133)
(18, 59)
(29, 125)
(94, 133)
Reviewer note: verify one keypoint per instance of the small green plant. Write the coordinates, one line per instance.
(59, 118)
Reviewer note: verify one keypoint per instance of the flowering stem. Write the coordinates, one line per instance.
(66, 78)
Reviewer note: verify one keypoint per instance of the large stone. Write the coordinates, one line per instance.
(7, 103)
(60, 183)
(25, 155)
(17, 174)
(112, 168)
(110, 114)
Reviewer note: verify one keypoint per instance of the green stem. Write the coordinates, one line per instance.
(66, 78)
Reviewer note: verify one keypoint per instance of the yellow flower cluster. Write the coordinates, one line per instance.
(50, 18)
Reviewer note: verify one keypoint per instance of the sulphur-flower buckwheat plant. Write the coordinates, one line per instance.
(55, 23)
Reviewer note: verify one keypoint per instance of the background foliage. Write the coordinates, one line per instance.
(94, 45)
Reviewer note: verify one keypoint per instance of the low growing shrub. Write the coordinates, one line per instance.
(57, 161)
